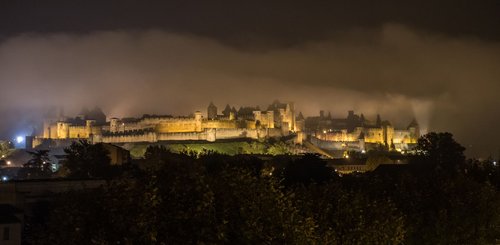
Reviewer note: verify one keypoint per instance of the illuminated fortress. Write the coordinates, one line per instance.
(248, 122)
(356, 133)
(353, 133)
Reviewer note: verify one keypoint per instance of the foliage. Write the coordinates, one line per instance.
(6, 148)
(278, 148)
(272, 147)
(350, 216)
(39, 166)
(487, 171)
(211, 198)
(180, 202)
(308, 169)
(440, 149)
(374, 160)
(86, 160)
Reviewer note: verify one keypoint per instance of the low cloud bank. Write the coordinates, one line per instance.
(448, 84)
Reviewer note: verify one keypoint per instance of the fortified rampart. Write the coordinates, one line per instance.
(336, 145)
(220, 124)
(207, 134)
(336, 133)
(178, 126)
(248, 122)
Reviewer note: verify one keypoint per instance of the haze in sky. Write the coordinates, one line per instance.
(390, 61)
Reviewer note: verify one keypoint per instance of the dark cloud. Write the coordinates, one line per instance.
(251, 23)
(448, 83)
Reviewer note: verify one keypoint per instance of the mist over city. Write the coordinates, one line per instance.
(392, 70)
(258, 122)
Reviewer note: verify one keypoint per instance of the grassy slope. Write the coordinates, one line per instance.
(230, 148)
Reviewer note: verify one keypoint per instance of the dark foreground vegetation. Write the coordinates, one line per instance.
(439, 198)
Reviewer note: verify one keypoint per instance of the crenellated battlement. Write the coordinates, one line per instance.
(250, 123)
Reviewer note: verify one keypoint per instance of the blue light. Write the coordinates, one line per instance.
(4, 178)
(19, 139)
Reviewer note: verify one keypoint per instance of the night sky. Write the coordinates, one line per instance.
(438, 61)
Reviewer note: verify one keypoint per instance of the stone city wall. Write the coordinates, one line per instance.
(145, 137)
(219, 124)
(182, 136)
(178, 125)
(334, 145)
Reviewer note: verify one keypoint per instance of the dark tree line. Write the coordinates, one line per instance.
(439, 198)
(38, 167)
(87, 160)
(83, 160)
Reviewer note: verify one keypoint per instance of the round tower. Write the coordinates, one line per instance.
(62, 130)
(211, 135)
(89, 124)
(113, 125)
(198, 118)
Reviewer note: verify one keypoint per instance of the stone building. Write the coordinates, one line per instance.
(357, 133)
(247, 122)
(212, 111)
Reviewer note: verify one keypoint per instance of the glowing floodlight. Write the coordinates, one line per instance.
(19, 139)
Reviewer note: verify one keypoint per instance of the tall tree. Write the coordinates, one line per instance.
(6, 147)
(86, 160)
(442, 150)
(310, 168)
(39, 166)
